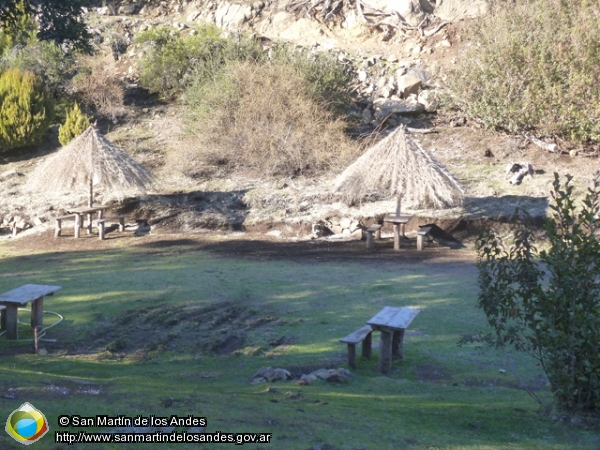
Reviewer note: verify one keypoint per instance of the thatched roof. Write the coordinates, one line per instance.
(91, 157)
(398, 165)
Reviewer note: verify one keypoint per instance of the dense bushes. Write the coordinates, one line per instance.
(26, 110)
(535, 65)
(265, 119)
(76, 123)
(547, 303)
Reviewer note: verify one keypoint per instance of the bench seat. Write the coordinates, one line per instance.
(373, 229)
(422, 234)
(102, 223)
(361, 335)
(58, 224)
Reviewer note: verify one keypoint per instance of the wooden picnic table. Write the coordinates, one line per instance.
(399, 223)
(19, 297)
(88, 211)
(392, 322)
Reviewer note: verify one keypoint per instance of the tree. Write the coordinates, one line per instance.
(547, 303)
(57, 20)
(75, 124)
(26, 110)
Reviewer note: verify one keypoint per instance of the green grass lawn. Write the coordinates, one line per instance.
(188, 328)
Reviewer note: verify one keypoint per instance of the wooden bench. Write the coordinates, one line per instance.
(362, 335)
(422, 234)
(58, 221)
(102, 222)
(373, 229)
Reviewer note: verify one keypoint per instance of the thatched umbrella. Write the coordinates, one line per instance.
(398, 165)
(87, 161)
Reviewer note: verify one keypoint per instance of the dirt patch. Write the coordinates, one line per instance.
(431, 373)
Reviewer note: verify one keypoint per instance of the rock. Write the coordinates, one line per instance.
(264, 372)
(444, 43)
(367, 115)
(21, 225)
(336, 377)
(104, 11)
(573, 153)
(355, 225)
(302, 382)
(258, 380)
(362, 76)
(407, 85)
(192, 16)
(336, 229)
(357, 234)
(388, 107)
(38, 221)
(410, 10)
(42, 352)
(280, 374)
(429, 100)
(9, 174)
(346, 232)
(126, 10)
(519, 171)
(455, 10)
(320, 373)
(345, 222)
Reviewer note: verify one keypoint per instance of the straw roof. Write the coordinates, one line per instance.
(91, 158)
(398, 165)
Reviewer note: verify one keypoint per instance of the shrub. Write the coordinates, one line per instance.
(557, 320)
(76, 123)
(261, 118)
(170, 58)
(98, 86)
(26, 110)
(534, 65)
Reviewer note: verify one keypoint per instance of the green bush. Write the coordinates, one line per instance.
(262, 119)
(76, 123)
(547, 303)
(170, 58)
(26, 110)
(534, 66)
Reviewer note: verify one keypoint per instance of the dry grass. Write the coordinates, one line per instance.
(261, 119)
(399, 165)
(98, 86)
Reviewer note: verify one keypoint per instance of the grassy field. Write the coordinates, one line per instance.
(171, 328)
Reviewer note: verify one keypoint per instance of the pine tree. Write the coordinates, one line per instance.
(26, 109)
(75, 124)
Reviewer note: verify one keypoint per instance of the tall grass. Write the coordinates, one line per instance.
(533, 65)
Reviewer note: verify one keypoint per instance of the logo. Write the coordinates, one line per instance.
(26, 424)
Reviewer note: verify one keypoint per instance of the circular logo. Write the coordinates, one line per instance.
(26, 424)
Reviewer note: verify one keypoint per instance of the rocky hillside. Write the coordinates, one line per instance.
(398, 53)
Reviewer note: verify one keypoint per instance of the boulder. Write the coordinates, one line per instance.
(461, 9)
(429, 100)
(407, 84)
(128, 9)
(409, 106)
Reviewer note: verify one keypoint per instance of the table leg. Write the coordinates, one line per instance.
(89, 223)
(3, 319)
(385, 352)
(37, 313)
(403, 229)
(10, 321)
(77, 224)
(397, 341)
(366, 346)
(396, 237)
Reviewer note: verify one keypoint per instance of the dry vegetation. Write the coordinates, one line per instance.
(261, 119)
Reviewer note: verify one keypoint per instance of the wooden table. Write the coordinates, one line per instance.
(392, 322)
(399, 223)
(88, 211)
(19, 297)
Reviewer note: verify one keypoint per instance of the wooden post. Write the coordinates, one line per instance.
(397, 344)
(58, 228)
(77, 224)
(121, 224)
(378, 234)
(396, 237)
(11, 322)
(101, 230)
(385, 355)
(366, 346)
(352, 355)
(37, 313)
(2, 317)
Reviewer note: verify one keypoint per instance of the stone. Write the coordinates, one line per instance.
(192, 16)
(346, 232)
(38, 221)
(264, 372)
(345, 222)
(9, 174)
(455, 10)
(280, 374)
(367, 115)
(407, 85)
(336, 229)
(357, 234)
(355, 225)
(362, 75)
(258, 380)
(104, 11)
(128, 9)
(429, 100)
(320, 373)
(444, 43)
(388, 107)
